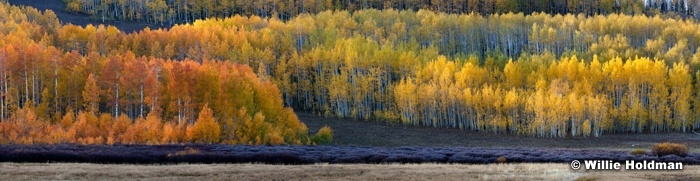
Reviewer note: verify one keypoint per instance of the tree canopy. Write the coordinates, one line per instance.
(170, 12)
(537, 74)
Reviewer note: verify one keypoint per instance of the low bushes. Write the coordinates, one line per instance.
(187, 151)
(666, 148)
(324, 136)
(173, 154)
(638, 152)
(501, 160)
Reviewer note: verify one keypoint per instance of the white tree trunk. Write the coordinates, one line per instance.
(179, 111)
(26, 84)
(2, 104)
(116, 107)
(141, 106)
(4, 101)
(34, 100)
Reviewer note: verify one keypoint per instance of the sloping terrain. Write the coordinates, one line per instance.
(59, 8)
(368, 133)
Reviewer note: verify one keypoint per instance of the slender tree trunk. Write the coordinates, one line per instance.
(4, 95)
(7, 92)
(26, 85)
(116, 9)
(55, 86)
(2, 107)
(6, 88)
(34, 100)
(141, 106)
(155, 100)
(116, 107)
(187, 19)
(103, 14)
(573, 126)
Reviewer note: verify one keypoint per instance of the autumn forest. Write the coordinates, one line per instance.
(235, 80)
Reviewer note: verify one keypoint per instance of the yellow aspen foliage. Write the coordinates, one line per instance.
(292, 130)
(85, 128)
(679, 81)
(512, 106)
(25, 126)
(104, 124)
(170, 134)
(153, 129)
(91, 95)
(56, 135)
(228, 131)
(520, 77)
(276, 138)
(586, 128)
(119, 128)
(407, 104)
(68, 119)
(513, 75)
(205, 129)
(323, 136)
(253, 131)
(135, 133)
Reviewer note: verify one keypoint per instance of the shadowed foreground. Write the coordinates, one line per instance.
(173, 154)
(527, 171)
(368, 133)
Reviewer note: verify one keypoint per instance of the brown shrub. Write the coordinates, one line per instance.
(501, 159)
(186, 151)
(667, 148)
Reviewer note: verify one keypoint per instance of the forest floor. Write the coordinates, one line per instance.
(59, 8)
(523, 171)
(370, 133)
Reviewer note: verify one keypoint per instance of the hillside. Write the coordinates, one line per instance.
(516, 78)
(177, 12)
(53, 94)
(59, 8)
(350, 132)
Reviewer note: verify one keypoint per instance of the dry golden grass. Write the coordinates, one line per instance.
(72, 171)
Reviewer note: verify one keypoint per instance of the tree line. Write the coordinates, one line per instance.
(567, 97)
(465, 71)
(426, 34)
(539, 74)
(50, 95)
(170, 12)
